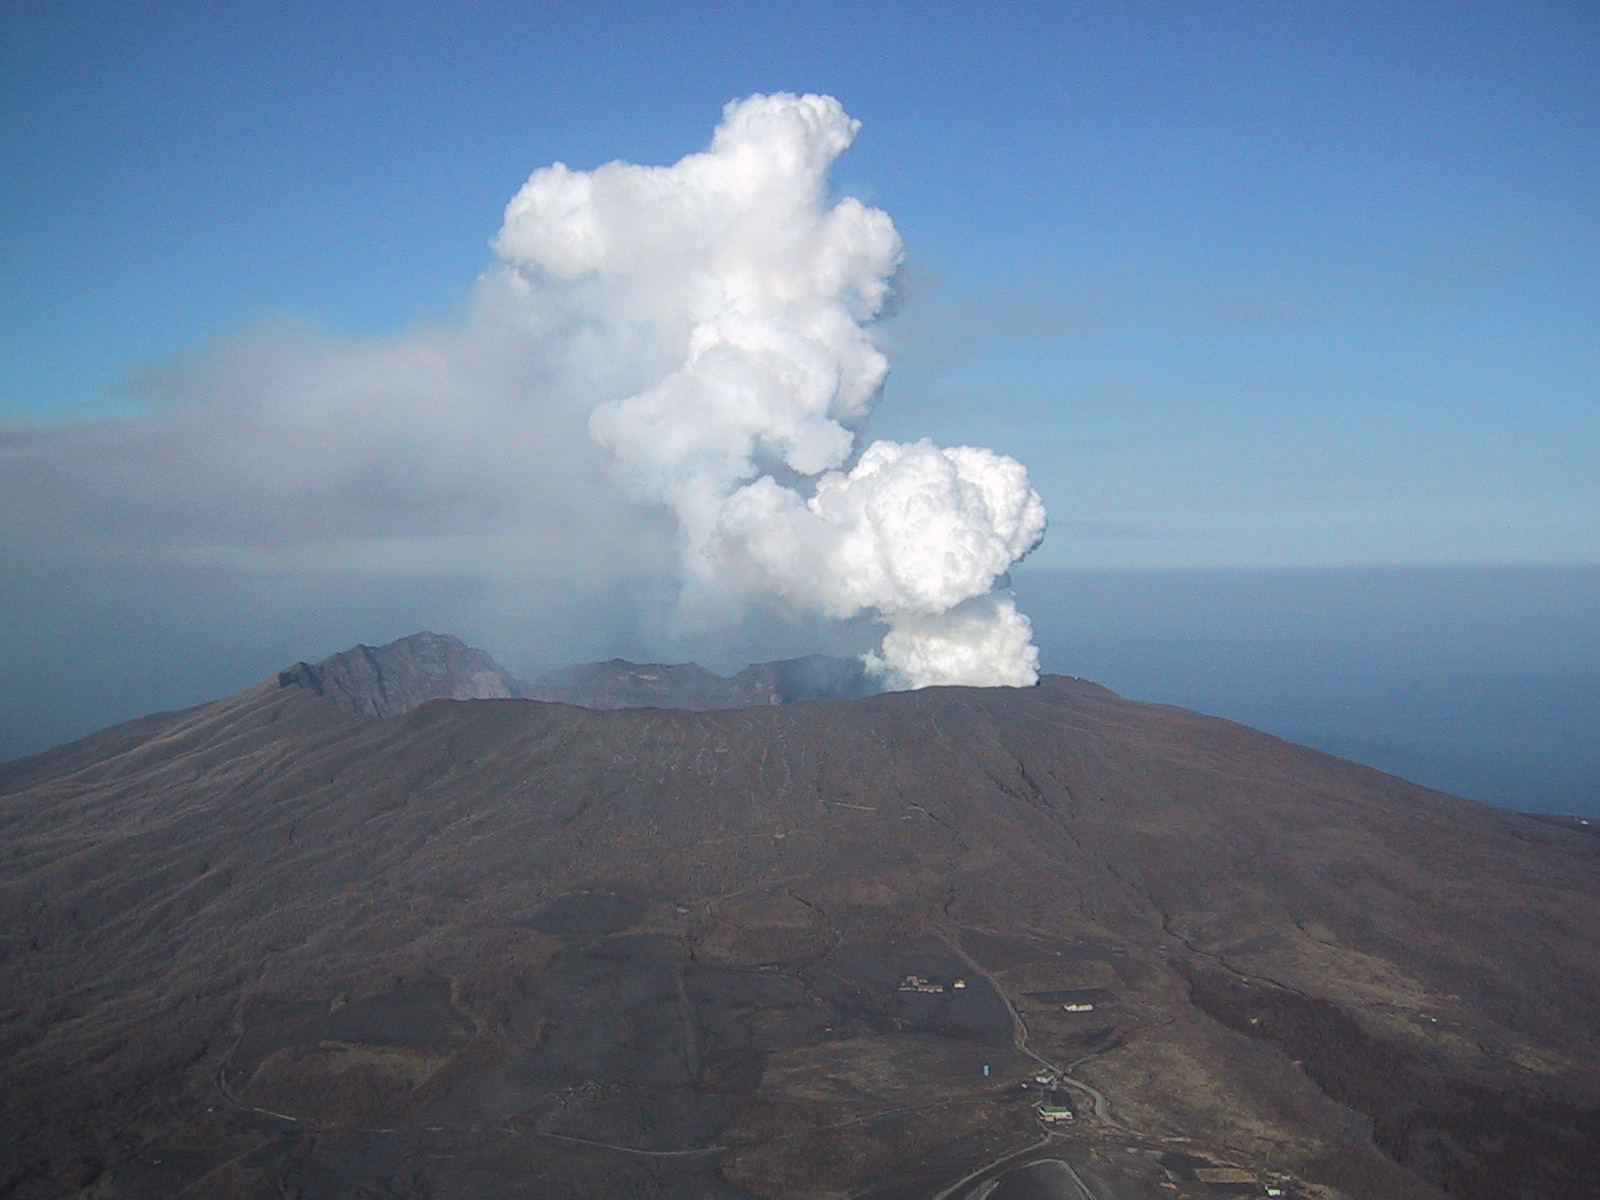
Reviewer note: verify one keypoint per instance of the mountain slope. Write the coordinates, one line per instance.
(505, 947)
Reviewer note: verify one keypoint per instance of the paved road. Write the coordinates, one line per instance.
(1041, 1144)
(1102, 1106)
(1019, 1039)
(1067, 1169)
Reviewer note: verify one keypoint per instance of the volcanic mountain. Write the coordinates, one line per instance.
(953, 943)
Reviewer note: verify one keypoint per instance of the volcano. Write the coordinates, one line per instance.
(382, 927)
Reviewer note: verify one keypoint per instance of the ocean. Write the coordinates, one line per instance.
(1482, 681)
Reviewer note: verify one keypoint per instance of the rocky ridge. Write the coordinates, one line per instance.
(389, 680)
(386, 681)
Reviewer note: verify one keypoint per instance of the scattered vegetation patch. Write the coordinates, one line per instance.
(1475, 1142)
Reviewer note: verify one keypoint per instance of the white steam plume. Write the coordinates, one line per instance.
(740, 300)
(703, 331)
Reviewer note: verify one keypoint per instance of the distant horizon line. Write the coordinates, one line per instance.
(1029, 568)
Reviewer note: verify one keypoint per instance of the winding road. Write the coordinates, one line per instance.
(1019, 1040)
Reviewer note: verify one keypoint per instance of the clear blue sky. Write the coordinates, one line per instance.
(1244, 284)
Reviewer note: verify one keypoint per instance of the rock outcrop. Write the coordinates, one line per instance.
(386, 681)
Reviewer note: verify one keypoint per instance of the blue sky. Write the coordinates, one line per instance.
(1244, 284)
(1249, 287)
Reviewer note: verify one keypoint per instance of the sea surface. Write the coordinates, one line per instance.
(1482, 681)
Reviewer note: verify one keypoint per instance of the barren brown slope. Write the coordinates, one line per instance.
(504, 948)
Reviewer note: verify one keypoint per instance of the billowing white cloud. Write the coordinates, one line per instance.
(910, 534)
(984, 642)
(761, 293)
(656, 394)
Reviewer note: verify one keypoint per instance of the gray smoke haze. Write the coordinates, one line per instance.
(642, 439)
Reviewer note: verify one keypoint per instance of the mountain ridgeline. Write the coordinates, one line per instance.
(397, 925)
(619, 684)
(389, 680)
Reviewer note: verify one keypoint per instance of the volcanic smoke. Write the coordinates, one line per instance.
(748, 301)
(654, 402)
